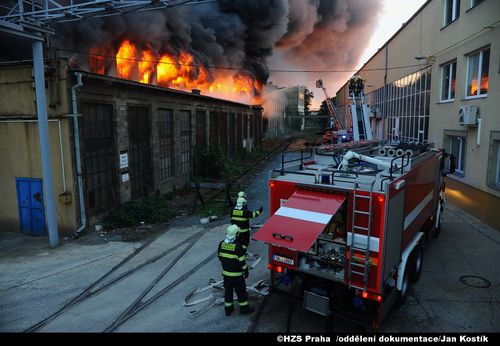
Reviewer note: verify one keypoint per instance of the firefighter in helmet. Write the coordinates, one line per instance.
(241, 216)
(234, 270)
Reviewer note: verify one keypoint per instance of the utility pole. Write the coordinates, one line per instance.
(43, 133)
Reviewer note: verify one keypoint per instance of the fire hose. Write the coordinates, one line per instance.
(257, 289)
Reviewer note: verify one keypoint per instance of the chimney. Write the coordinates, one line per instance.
(196, 92)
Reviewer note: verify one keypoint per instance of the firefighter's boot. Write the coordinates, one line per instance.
(246, 309)
(229, 310)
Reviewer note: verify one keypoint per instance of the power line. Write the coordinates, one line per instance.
(234, 68)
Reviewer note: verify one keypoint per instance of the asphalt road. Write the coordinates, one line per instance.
(146, 284)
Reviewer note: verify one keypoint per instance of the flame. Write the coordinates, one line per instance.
(125, 60)
(484, 84)
(182, 72)
(166, 71)
(146, 66)
(96, 60)
(473, 88)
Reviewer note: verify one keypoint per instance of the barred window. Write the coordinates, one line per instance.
(165, 129)
(185, 127)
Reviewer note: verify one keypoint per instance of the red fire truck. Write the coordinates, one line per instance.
(348, 223)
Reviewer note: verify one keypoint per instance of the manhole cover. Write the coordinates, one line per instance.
(475, 281)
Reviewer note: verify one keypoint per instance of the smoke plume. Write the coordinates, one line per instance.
(239, 33)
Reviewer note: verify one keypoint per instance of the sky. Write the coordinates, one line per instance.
(393, 15)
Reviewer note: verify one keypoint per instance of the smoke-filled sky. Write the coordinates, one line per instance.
(256, 35)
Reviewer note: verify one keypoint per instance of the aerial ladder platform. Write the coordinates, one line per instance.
(361, 129)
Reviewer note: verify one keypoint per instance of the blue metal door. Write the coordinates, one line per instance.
(30, 204)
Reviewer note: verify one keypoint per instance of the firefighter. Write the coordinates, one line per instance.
(241, 216)
(234, 271)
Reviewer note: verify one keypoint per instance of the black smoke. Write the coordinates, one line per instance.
(236, 33)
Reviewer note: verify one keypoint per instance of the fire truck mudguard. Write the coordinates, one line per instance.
(300, 220)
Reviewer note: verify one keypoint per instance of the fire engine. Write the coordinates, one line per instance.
(348, 223)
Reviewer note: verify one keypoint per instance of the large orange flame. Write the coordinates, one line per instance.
(126, 60)
(146, 66)
(166, 71)
(182, 72)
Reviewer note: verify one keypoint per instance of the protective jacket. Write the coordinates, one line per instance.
(241, 218)
(233, 259)
(234, 271)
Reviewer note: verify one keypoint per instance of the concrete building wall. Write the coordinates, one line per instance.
(426, 35)
(19, 141)
(20, 156)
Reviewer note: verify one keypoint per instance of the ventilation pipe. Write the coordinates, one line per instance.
(352, 155)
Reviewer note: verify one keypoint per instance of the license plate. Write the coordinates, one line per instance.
(282, 259)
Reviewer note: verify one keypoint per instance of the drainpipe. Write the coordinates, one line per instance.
(83, 217)
(384, 115)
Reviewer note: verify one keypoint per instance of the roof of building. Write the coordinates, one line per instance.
(155, 87)
(86, 74)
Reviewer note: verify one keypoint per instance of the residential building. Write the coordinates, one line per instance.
(437, 81)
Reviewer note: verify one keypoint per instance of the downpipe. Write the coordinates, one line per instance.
(76, 136)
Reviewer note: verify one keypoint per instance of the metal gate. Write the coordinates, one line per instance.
(139, 132)
(99, 157)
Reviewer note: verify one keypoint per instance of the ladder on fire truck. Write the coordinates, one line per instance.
(360, 265)
(361, 129)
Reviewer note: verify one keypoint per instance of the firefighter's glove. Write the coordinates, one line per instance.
(261, 209)
(245, 273)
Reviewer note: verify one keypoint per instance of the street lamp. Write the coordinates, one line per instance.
(430, 58)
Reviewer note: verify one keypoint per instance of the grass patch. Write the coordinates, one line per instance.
(152, 209)
(213, 207)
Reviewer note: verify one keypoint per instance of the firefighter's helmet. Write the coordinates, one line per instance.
(240, 203)
(232, 231)
(242, 194)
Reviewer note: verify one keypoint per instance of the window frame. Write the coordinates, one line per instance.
(479, 52)
(497, 171)
(472, 4)
(493, 170)
(455, 12)
(452, 66)
(462, 149)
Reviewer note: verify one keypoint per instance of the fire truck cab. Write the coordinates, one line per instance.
(347, 225)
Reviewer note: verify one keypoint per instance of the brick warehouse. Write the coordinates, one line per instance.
(134, 139)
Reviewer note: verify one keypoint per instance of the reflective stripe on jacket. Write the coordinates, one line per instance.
(241, 218)
(233, 259)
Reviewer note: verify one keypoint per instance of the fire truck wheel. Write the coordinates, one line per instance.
(401, 295)
(417, 259)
